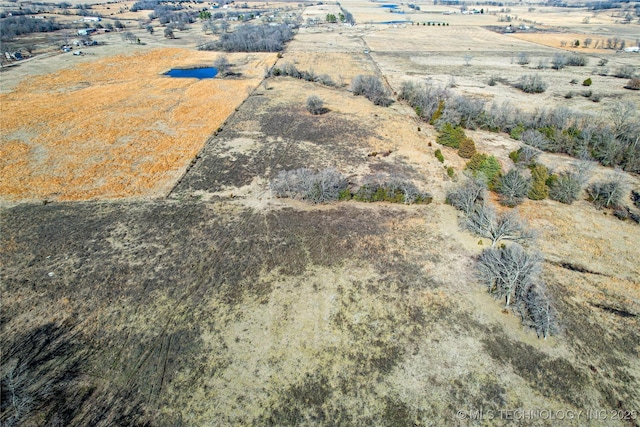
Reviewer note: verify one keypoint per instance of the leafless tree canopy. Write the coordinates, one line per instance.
(317, 187)
(509, 271)
(539, 310)
(371, 88)
(466, 196)
(485, 222)
(513, 188)
(607, 194)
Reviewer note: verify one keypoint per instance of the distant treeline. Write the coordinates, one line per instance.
(153, 5)
(253, 38)
(17, 25)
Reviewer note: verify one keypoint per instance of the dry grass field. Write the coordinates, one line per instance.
(162, 284)
(115, 127)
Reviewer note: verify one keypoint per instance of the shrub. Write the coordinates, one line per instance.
(559, 61)
(539, 189)
(635, 198)
(467, 148)
(513, 188)
(514, 156)
(318, 187)
(531, 83)
(465, 197)
(633, 83)
(451, 171)
(564, 188)
(371, 88)
(523, 58)
(439, 156)
(315, 105)
(576, 60)
(587, 82)
(484, 166)
(525, 155)
(451, 136)
(393, 190)
(606, 194)
(437, 113)
(625, 72)
(516, 132)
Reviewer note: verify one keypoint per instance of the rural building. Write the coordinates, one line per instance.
(86, 31)
(92, 19)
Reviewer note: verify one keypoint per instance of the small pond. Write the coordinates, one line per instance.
(194, 73)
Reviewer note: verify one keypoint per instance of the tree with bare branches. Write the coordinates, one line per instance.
(509, 271)
(485, 222)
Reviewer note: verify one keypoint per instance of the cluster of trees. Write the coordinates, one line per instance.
(386, 188)
(371, 88)
(323, 186)
(13, 26)
(614, 141)
(253, 38)
(215, 26)
(329, 185)
(290, 70)
(510, 272)
(180, 19)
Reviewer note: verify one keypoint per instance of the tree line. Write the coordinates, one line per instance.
(253, 38)
(18, 25)
(614, 141)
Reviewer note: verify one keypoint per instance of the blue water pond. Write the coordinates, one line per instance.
(194, 73)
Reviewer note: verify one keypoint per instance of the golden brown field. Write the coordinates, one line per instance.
(115, 127)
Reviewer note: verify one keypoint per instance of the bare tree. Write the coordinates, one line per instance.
(465, 197)
(559, 61)
(540, 311)
(565, 188)
(513, 188)
(222, 64)
(485, 222)
(371, 88)
(623, 119)
(317, 187)
(509, 271)
(129, 36)
(523, 58)
(607, 193)
(527, 155)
